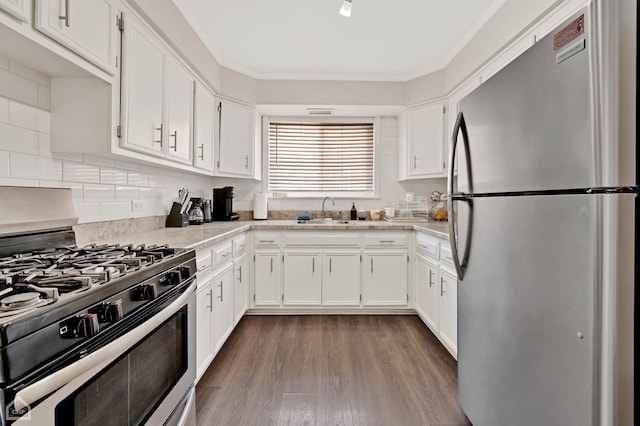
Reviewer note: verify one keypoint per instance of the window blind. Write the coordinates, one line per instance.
(320, 157)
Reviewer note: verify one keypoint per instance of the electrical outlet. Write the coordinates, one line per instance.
(137, 206)
(278, 195)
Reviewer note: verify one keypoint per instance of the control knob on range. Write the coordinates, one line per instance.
(110, 311)
(145, 292)
(85, 325)
(174, 277)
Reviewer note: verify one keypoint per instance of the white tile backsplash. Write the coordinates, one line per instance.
(127, 193)
(18, 139)
(99, 193)
(138, 179)
(26, 116)
(114, 211)
(4, 164)
(4, 110)
(88, 212)
(16, 87)
(113, 176)
(34, 167)
(18, 69)
(80, 172)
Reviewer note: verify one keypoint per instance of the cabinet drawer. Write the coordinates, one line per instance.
(386, 240)
(222, 253)
(203, 261)
(447, 257)
(239, 245)
(267, 239)
(429, 246)
(331, 239)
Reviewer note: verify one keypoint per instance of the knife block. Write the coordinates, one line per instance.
(177, 219)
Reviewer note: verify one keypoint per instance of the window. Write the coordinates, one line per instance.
(309, 158)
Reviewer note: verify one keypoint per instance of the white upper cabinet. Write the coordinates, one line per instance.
(17, 8)
(179, 104)
(157, 97)
(421, 133)
(87, 27)
(203, 128)
(142, 90)
(235, 139)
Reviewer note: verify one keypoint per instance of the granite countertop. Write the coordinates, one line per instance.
(201, 236)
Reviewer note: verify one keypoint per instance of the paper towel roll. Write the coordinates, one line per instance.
(260, 206)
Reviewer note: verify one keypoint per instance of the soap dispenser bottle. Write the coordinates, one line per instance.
(354, 212)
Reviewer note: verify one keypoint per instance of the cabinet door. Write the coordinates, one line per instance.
(427, 291)
(87, 27)
(203, 117)
(204, 327)
(385, 278)
(341, 278)
(16, 8)
(179, 106)
(222, 306)
(302, 278)
(240, 288)
(142, 90)
(449, 310)
(426, 140)
(236, 133)
(266, 278)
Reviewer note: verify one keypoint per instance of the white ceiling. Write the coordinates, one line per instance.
(383, 40)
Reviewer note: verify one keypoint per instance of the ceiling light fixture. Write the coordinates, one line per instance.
(345, 9)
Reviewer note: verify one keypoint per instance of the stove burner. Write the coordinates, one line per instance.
(20, 300)
(71, 269)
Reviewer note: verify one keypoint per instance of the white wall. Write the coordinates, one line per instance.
(103, 187)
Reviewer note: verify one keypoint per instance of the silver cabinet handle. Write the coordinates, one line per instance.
(246, 162)
(430, 278)
(371, 265)
(240, 273)
(272, 265)
(67, 14)
(387, 241)
(415, 162)
(201, 148)
(330, 265)
(210, 301)
(174, 135)
(266, 241)
(442, 290)
(160, 141)
(313, 265)
(220, 297)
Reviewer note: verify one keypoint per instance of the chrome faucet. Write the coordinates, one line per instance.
(325, 199)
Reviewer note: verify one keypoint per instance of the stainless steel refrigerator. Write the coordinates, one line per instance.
(531, 202)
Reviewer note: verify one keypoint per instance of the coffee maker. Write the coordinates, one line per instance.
(223, 204)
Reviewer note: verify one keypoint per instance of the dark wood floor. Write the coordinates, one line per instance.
(330, 370)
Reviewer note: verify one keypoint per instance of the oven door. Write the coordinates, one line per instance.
(144, 376)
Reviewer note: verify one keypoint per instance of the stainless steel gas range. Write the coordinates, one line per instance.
(102, 334)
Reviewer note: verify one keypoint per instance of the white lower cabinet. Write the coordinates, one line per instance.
(204, 324)
(449, 310)
(266, 273)
(384, 279)
(436, 289)
(426, 275)
(222, 287)
(240, 287)
(341, 277)
(302, 278)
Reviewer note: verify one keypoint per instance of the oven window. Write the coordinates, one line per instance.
(127, 391)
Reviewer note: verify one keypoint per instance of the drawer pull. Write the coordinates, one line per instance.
(266, 241)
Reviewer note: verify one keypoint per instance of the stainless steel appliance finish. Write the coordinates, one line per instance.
(89, 331)
(528, 214)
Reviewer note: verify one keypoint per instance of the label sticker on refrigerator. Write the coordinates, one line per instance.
(569, 33)
(571, 50)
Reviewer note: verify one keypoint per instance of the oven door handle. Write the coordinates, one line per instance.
(98, 359)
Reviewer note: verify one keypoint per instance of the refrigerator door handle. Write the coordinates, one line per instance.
(460, 126)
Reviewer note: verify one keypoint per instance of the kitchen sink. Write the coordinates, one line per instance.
(325, 222)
